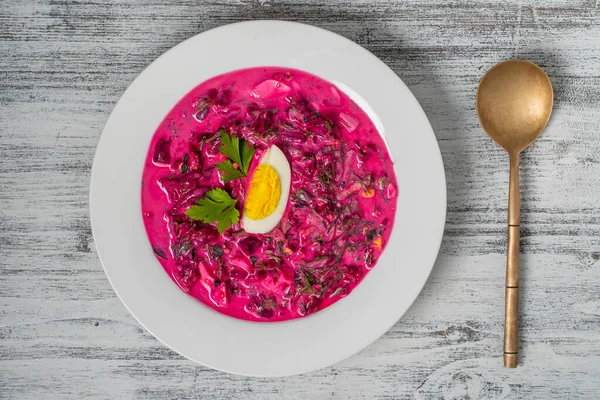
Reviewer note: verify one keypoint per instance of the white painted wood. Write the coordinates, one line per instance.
(63, 332)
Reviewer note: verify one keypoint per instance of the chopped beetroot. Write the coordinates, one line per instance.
(249, 245)
(219, 294)
(238, 273)
(225, 97)
(161, 152)
(160, 253)
(265, 122)
(194, 163)
(263, 306)
(212, 94)
(204, 233)
(186, 275)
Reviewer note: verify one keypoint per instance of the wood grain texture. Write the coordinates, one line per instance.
(63, 332)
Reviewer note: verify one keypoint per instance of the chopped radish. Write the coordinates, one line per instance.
(270, 88)
(349, 122)
(334, 98)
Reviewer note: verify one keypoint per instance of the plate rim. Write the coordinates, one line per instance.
(436, 235)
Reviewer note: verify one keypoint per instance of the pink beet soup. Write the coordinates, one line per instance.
(338, 217)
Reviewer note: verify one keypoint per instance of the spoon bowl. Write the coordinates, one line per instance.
(514, 103)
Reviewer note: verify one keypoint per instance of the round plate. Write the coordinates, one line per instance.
(267, 349)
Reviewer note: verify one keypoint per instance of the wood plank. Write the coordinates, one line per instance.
(65, 334)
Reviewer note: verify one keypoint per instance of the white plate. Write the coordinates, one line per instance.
(267, 349)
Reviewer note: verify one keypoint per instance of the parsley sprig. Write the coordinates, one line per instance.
(216, 206)
(239, 153)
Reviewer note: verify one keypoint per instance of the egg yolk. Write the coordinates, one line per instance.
(263, 194)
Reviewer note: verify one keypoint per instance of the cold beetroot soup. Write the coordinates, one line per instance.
(268, 194)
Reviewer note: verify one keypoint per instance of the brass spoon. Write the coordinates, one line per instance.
(514, 103)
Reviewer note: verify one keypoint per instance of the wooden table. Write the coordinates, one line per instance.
(65, 334)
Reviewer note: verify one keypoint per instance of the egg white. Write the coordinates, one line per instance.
(275, 158)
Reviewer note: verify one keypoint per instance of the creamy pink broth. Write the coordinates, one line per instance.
(342, 198)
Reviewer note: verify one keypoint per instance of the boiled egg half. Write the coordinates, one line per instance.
(268, 192)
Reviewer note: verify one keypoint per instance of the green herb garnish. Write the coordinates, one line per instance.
(229, 171)
(239, 152)
(184, 166)
(305, 281)
(336, 292)
(218, 207)
(216, 251)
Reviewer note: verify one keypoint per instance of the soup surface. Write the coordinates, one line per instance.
(268, 194)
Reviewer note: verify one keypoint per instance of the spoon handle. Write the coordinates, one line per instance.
(511, 317)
